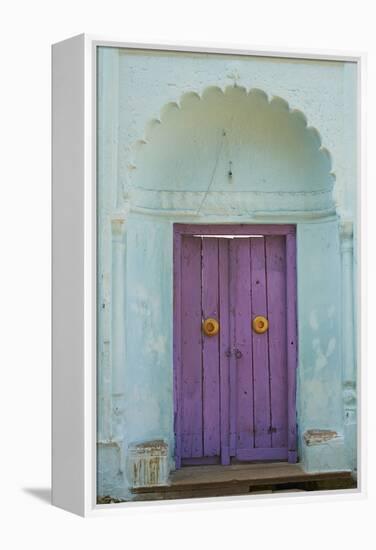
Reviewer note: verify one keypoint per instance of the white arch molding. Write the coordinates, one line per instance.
(230, 152)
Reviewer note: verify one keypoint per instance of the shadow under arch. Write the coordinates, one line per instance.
(231, 151)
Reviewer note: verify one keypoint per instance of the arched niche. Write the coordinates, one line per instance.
(231, 151)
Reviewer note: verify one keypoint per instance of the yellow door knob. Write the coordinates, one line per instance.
(260, 324)
(210, 326)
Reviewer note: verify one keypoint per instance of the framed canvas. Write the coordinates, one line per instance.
(206, 229)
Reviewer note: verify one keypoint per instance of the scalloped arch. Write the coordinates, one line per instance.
(233, 141)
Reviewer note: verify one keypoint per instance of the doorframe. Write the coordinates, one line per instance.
(289, 230)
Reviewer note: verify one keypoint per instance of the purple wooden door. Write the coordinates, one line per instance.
(234, 390)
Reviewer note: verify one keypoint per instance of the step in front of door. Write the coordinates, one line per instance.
(213, 481)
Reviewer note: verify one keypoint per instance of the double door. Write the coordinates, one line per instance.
(235, 344)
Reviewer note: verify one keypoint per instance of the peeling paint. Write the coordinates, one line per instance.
(316, 437)
(148, 464)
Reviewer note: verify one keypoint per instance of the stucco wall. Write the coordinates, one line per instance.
(135, 376)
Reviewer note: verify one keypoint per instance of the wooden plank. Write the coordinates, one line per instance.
(262, 454)
(200, 461)
(253, 470)
(276, 301)
(213, 478)
(177, 346)
(224, 342)
(260, 344)
(250, 488)
(232, 359)
(191, 344)
(291, 344)
(266, 472)
(236, 229)
(193, 492)
(241, 302)
(210, 349)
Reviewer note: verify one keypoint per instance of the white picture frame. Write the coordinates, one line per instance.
(74, 265)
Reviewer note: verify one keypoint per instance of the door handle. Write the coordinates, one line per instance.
(260, 324)
(210, 326)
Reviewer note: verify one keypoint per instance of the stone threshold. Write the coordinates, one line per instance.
(241, 479)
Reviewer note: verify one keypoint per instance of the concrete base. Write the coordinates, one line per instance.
(110, 472)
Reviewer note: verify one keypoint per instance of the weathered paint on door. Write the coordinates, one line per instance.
(234, 391)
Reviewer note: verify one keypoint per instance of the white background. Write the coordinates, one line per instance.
(27, 31)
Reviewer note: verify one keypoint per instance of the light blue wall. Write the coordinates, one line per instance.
(319, 314)
(146, 144)
(148, 365)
